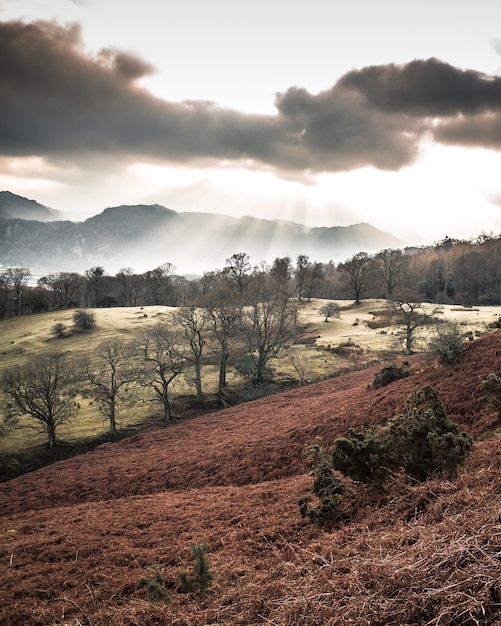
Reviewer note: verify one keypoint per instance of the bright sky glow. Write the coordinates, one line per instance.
(240, 56)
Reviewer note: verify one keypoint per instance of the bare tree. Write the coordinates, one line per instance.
(159, 283)
(391, 265)
(357, 273)
(40, 390)
(18, 278)
(111, 373)
(192, 322)
(224, 315)
(237, 270)
(5, 286)
(65, 288)
(164, 360)
(269, 322)
(129, 283)
(412, 316)
(330, 309)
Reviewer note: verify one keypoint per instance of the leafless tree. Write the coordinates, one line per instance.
(111, 374)
(129, 285)
(391, 265)
(159, 283)
(412, 316)
(42, 391)
(269, 322)
(356, 270)
(192, 322)
(224, 315)
(237, 270)
(164, 358)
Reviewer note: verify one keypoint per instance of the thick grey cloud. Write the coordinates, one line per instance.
(426, 88)
(61, 103)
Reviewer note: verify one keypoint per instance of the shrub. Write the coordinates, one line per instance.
(389, 374)
(155, 586)
(423, 441)
(447, 343)
(327, 489)
(330, 309)
(84, 320)
(202, 576)
(492, 385)
(58, 330)
(363, 458)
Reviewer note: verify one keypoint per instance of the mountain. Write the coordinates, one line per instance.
(13, 206)
(145, 236)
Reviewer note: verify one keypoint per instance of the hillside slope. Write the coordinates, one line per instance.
(88, 528)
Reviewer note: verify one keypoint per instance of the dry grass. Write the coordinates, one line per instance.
(76, 537)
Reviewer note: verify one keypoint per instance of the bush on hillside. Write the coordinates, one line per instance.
(84, 320)
(363, 458)
(422, 442)
(447, 343)
(492, 386)
(389, 374)
(327, 490)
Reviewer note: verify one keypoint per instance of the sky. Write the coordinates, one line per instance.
(326, 113)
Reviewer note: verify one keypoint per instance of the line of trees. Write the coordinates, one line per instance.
(451, 271)
(243, 323)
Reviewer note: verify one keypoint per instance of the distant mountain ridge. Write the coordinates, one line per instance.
(13, 206)
(145, 236)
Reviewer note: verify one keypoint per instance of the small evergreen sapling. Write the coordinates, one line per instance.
(202, 576)
(155, 586)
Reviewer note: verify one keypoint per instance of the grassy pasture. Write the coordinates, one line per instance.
(323, 349)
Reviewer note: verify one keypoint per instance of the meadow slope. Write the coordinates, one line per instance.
(76, 537)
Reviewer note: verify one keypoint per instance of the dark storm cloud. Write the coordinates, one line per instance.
(57, 101)
(464, 104)
(61, 103)
(428, 88)
(339, 132)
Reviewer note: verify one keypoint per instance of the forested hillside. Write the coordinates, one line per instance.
(454, 272)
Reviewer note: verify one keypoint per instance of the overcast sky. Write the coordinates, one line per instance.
(321, 112)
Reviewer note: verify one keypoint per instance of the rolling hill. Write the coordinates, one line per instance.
(77, 536)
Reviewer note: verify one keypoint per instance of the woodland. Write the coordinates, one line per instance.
(451, 271)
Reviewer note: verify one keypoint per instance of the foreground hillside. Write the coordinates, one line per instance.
(76, 537)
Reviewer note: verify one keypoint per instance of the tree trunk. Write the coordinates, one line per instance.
(166, 405)
(198, 380)
(222, 368)
(51, 433)
(408, 339)
(113, 424)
